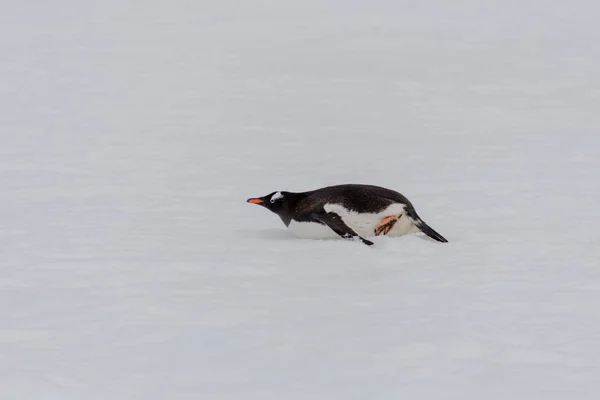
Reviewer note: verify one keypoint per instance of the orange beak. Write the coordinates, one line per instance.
(255, 201)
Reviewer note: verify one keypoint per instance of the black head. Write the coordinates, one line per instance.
(281, 203)
(276, 202)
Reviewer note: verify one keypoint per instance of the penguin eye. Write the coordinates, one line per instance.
(276, 197)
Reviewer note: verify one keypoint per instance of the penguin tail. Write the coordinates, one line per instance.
(423, 227)
(429, 231)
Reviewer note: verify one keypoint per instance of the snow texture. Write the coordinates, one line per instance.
(133, 132)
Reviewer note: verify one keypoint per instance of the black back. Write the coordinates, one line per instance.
(355, 197)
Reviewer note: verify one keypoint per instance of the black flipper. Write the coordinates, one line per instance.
(335, 222)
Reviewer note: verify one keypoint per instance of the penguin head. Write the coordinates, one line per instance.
(276, 202)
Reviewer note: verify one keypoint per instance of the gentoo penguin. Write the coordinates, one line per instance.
(351, 211)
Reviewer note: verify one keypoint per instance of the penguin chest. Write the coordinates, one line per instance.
(311, 230)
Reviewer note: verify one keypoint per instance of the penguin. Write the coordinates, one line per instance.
(347, 211)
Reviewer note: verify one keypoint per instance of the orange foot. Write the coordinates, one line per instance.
(386, 224)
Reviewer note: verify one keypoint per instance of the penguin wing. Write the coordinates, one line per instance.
(337, 224)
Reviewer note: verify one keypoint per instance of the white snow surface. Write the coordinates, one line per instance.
(131, 134)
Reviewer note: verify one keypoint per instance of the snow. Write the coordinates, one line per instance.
(132, 133)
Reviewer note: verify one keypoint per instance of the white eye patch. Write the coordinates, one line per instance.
(276, 196)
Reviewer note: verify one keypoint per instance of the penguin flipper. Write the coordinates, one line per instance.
(337, 224)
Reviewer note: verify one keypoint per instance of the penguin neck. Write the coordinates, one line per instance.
(286, 214)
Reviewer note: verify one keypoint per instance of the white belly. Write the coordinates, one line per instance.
(363, 224)
(312, 230)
